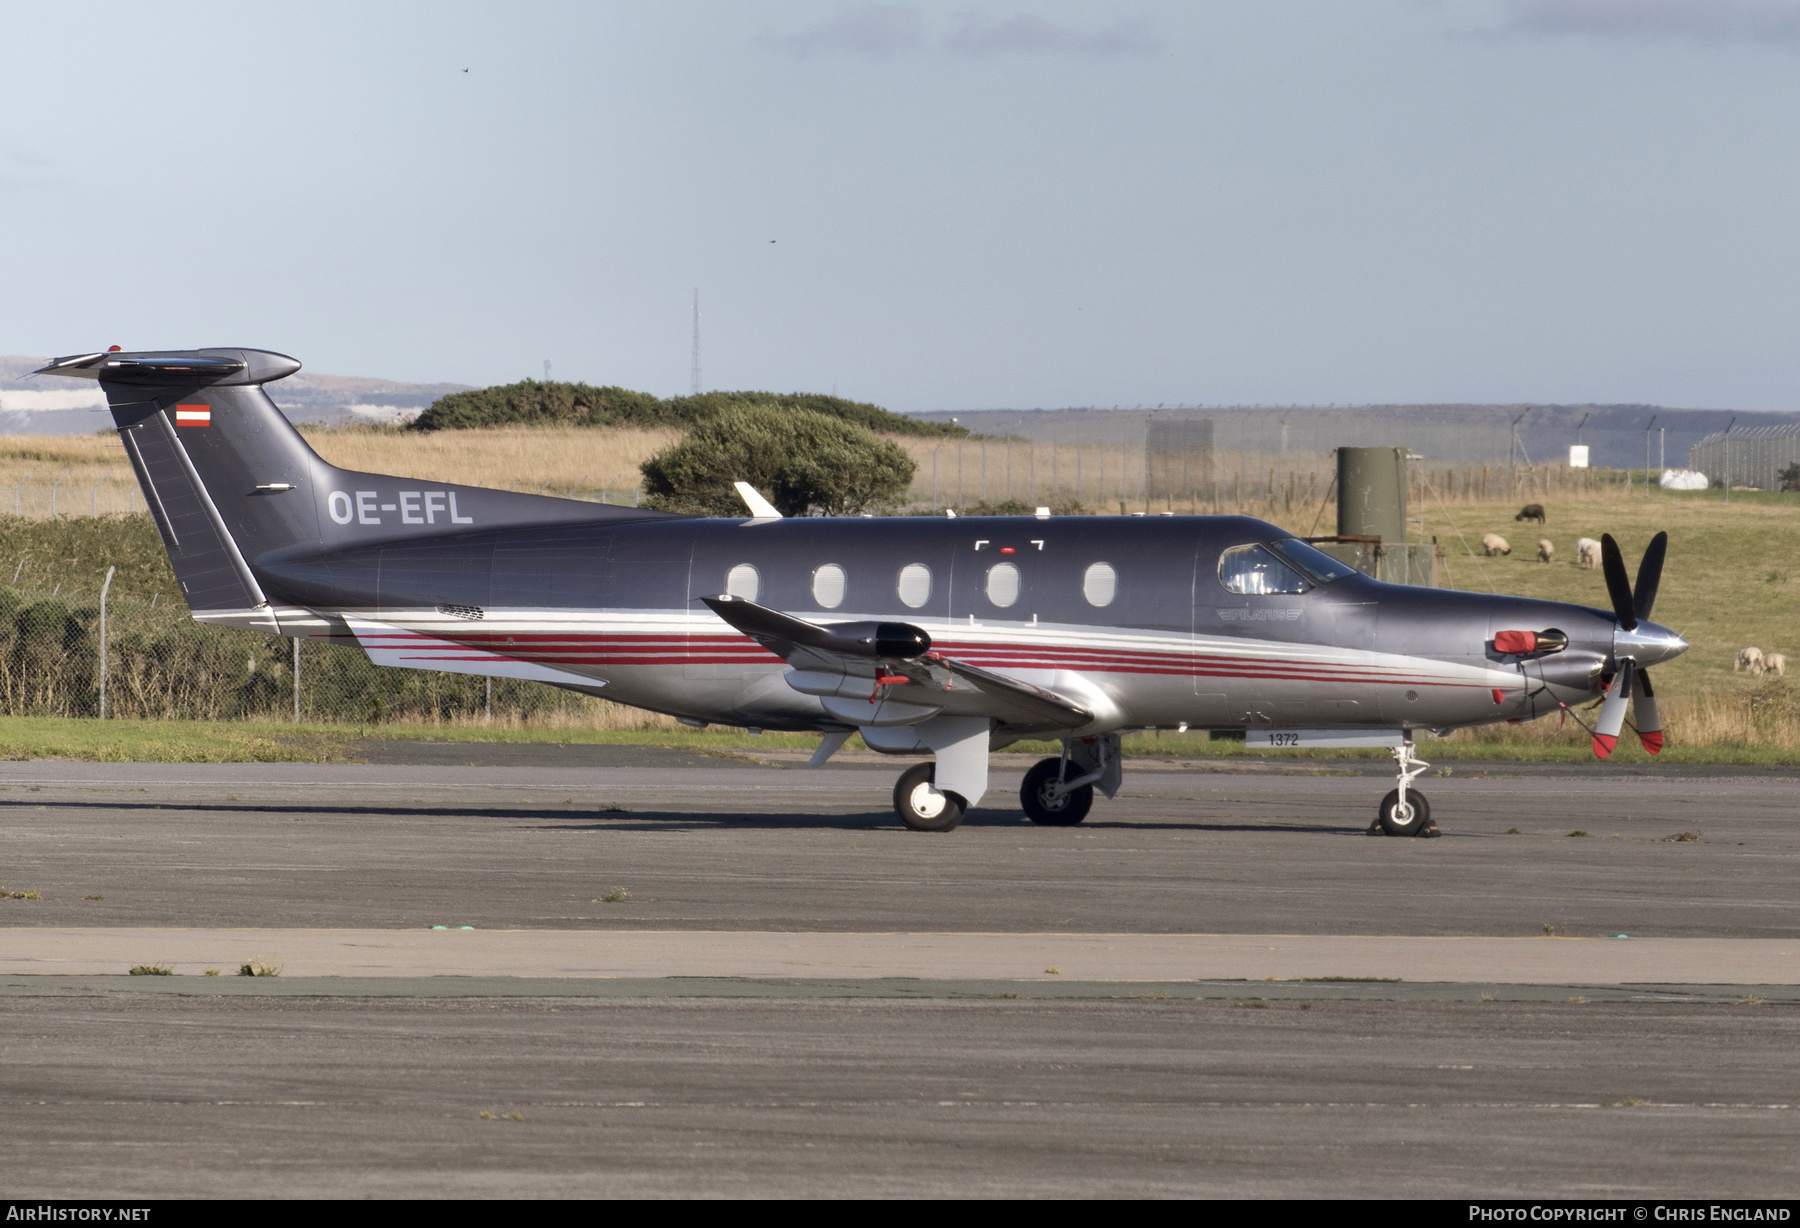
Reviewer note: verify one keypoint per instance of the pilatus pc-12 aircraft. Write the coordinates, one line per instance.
(930, 636)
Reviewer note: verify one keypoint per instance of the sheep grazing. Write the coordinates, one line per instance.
(1748, 658)
(1587, 553)
(1772, 663)
(1532, 511)
(1545, 550)
(1494, 544)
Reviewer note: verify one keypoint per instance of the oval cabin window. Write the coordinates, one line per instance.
(915, 584)
(743, 582)
(1003, 584)
(828, 586)
(1100, 585)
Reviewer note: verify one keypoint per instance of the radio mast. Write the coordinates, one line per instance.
(694, 373)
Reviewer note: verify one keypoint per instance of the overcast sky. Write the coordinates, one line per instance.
(1011, 203)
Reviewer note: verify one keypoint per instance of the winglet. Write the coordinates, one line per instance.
(759, 506)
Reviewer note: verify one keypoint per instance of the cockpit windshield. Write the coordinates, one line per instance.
(1320, 567)
(1256, 570)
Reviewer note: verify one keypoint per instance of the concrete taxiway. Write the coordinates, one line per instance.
(788, 994)
(1219, 849)
(944, 956)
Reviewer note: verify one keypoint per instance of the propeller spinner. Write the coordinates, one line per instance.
(1637, 643)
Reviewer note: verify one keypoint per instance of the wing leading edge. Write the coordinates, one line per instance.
(873, 673)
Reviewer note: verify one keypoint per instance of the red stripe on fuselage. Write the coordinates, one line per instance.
(601, 648)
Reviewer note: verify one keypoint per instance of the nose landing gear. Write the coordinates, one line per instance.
(1404, 811)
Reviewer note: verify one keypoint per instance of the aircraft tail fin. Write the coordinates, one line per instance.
(228, 479)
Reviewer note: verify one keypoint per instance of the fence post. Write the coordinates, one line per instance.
(103, 588)
(296, 680)
(1725, 462)
(21, 482)
(53, 486)
(94, 503)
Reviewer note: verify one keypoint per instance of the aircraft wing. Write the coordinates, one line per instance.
(866, 662)
(1014, 701)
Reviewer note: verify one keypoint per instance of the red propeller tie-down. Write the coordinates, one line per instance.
(1631, 682)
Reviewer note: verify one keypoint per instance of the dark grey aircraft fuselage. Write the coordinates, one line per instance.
(927, 634)
(620, 604)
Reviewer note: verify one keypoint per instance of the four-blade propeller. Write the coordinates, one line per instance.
(1630, 683)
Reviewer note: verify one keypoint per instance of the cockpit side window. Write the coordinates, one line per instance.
(1256, 570)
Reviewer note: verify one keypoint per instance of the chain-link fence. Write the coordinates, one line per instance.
(1759, 456)
(1178, 468)
(161, 664)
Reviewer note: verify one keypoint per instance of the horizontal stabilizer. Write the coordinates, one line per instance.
(397, 647)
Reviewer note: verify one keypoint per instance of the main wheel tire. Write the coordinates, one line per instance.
(919, 805)
(1414, 823)
(1041, 806)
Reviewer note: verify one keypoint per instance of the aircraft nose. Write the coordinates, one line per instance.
(1649, 644)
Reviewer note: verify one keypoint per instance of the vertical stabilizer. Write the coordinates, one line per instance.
(231, 483)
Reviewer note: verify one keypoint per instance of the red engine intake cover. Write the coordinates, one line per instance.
(1515, 641)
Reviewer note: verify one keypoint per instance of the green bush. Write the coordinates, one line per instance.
(77, 552)
(800, 460)
(541, 403)
(161, 664)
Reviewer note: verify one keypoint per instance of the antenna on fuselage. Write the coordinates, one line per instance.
(759, 507)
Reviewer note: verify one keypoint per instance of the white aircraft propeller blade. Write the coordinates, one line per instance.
(1612, 712)
(1644, 715)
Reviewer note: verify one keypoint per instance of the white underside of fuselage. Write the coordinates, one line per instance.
(691, 663)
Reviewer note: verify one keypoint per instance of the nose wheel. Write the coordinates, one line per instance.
(1404, 811)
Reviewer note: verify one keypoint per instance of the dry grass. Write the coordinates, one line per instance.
(1728, 583)
(585, 462)
(526, 458)
(581, 712)
(1715, 592)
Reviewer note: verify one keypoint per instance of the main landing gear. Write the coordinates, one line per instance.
(921, 806)
(1404, 811)
(1054, 796)
(1057, 792)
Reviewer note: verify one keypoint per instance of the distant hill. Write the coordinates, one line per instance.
(45, 405)
(546, 403)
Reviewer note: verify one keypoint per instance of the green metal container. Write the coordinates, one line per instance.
(1371, 489)
(1372, 493)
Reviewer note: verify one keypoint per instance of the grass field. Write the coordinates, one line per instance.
(95, 477)
(1733, 579)
(258, 742)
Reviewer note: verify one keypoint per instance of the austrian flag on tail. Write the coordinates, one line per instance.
(193, 415)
